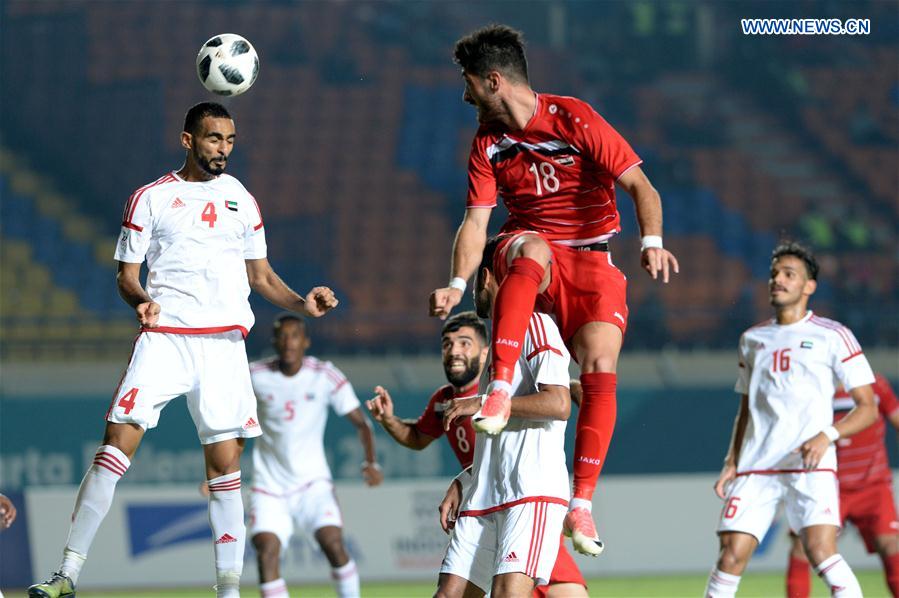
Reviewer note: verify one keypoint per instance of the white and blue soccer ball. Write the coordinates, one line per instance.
(227, 64)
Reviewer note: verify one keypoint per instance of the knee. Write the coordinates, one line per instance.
(532, 247)
(599, 363)
(731, 560)
(819, 551)
(334, 550)
(268, 551)
(888, 546)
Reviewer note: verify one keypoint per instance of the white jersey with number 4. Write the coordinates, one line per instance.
(790, 373)
(526, 461)
(293, 412)
(195, 237)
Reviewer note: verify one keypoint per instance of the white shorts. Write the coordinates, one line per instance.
(519, 539)
(811, 498)
(211, 369)
(306, 510)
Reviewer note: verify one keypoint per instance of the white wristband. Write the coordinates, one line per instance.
(649, 241)
(371, 464)
(458, 283)
(832, 433)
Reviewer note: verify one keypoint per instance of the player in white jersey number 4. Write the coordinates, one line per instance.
(202, 237)
(292, 487)
(506, 515)
(782, 446)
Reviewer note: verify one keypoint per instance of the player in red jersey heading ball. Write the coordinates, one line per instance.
(555, 162)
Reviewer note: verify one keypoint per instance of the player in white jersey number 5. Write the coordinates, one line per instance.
(782, 446)
(506, 514)
(292, 488)
(202, 237)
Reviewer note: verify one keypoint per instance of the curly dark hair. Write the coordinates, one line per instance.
(493, 48)
(799, 251)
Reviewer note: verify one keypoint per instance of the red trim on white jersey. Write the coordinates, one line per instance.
(131, 204)
(302, 488)
(210, 330)
(778, 471)
(537, 534)
(133, 226)
(508, 505)
(851, 356)
(118, 387)
(850, 342)
(258, 211)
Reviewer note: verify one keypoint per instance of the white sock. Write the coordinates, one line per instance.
(839, 577)
(580, 503)
(722, 585)
(274, 589)
(227, 584)
(93, 502)
(226, 519)
(346, 580)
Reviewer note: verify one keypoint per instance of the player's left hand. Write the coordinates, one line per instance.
(449, 506)
(372, 474)
(656, 260)
(320, 301)
(813, 450)
(7, 512)
(464, 407)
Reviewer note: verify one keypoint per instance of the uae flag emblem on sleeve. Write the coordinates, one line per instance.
(231, 205)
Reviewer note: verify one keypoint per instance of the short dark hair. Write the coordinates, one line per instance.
(800, 251)
(288, 316)
(493, 48)
(487, 257)
(200, 111)
(466, 318)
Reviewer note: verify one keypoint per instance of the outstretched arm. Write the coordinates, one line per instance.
(404, 432)
(371, 471)
(648, 205)
(467, 250)
(267, 283)
(131, 290)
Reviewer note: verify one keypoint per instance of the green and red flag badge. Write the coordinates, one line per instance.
(231, 205)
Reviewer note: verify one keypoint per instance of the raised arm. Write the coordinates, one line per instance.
(404, 432)
(133, 293)
(648, 205)
(467, 250)
(267, 283)
(371, 471)
(729, 471)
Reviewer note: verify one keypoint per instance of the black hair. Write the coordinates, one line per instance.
(493, 48)
(288, 316)
(487, 257)
(466, 318)
(200, 111)
(800, 251)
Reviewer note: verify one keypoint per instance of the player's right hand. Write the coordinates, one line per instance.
(449, 506)
(319, 301)
(727, 475)
(381, 405)
(443, 301)
(7, 512)
(148, 314)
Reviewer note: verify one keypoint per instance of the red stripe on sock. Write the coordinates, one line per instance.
(104, 460)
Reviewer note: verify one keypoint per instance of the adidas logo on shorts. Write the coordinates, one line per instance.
(511, 558)
(251, 423)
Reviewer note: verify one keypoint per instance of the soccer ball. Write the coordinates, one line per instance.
(227, 64)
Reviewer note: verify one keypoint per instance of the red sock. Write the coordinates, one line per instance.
(511, 312)
(891, 570)
(799, 579)
(595, 424)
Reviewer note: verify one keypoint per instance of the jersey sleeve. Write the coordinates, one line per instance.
(429, 422)
(744, 371)
(342, 397)
(599, 140)
(850, 365)
(137, 229)
(255, 247)
(888, 402)
(482, 189)
(545, 353)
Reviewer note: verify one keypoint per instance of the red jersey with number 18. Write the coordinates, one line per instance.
(557, 175)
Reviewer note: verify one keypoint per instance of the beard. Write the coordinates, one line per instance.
(207, 165)
(463, 378)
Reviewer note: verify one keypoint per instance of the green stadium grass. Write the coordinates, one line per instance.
(766, 585)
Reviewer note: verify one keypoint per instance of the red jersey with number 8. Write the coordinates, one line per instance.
(556, 176)
(461, 435)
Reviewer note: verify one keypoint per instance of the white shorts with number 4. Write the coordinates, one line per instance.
(519, 539)
(306, 510)
(810, 498)
(211, 369)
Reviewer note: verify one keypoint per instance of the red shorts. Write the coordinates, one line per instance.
(585, 286)
(871, 510)
(564, 571)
